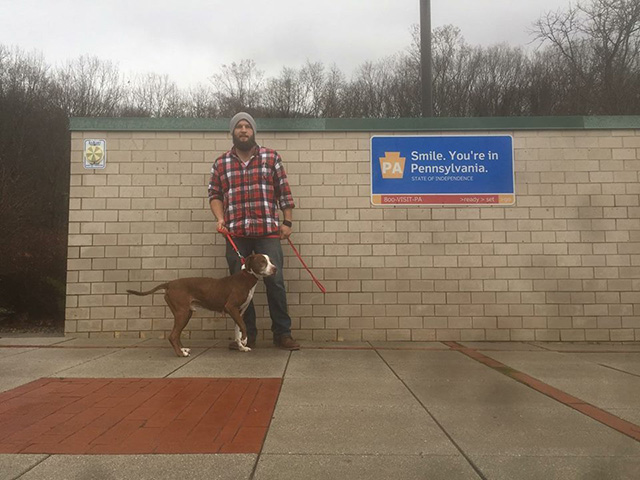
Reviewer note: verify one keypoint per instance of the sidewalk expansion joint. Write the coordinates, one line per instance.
(619, 370)
(626, 428)
(190, 359)
(435, 420)
(264, 439)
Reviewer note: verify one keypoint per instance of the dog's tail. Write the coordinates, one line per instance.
(153, 290)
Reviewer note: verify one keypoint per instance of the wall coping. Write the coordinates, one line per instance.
(622, 122)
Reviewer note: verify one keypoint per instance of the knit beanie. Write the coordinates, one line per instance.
(242, 116)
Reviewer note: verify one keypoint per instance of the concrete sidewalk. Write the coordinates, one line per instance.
(371, 410)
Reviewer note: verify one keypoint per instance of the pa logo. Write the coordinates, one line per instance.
(392, 165)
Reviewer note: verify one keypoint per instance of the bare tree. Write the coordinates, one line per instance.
(367, 95)
(600, 41)
(405, 93)
(23, 77)
(156, 96)
(89, 87)
(238, 87)
(331, 97)
(500, 83)
(201, 102)
(453, 72)
(312, 75)
(34, 176)
(286, 95)
(296, 92)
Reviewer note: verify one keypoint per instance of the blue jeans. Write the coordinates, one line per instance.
(276, 293)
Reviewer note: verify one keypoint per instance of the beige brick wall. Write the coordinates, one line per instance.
(563, 264)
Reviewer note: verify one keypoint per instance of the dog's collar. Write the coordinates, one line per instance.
(250, 272)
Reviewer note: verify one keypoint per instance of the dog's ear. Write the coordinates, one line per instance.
(257, 263)
(250, 263)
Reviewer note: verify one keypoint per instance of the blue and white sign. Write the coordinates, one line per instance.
(442, 170)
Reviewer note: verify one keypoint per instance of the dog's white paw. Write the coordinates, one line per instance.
(186, 352)
(244, 349)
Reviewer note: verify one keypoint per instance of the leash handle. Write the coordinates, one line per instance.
(317, 282)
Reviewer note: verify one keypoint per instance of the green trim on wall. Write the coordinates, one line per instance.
(359, 124)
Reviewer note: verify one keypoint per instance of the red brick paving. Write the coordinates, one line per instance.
(137, 416)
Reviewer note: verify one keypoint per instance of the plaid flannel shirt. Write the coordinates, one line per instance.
(251, 194)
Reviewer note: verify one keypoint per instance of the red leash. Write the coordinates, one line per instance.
(317, 282)
(228, 235)
(322, 289)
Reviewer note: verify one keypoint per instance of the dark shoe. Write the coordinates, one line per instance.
(251, 343)
(286, 342)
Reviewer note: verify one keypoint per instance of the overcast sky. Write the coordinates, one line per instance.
(190, 39)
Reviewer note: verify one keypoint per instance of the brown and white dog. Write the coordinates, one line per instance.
(230, 295)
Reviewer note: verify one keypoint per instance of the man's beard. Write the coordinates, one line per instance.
(244, 145)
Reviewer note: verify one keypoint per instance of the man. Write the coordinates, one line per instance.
(248, 184)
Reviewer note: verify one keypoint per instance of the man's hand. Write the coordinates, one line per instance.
(285, 232)
(222, 228)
